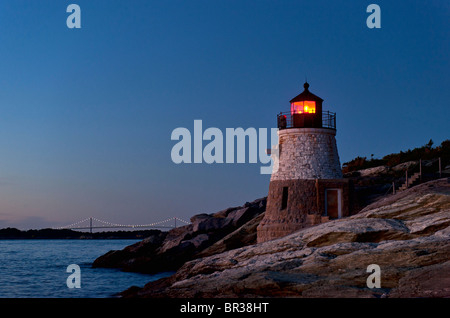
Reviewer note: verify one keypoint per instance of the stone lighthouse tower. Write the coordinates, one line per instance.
(308, 187)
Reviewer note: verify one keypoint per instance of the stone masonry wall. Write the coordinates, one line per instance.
(305, 206)
(307, 153)
(308, 165)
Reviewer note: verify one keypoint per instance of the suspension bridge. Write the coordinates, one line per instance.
(91, 223)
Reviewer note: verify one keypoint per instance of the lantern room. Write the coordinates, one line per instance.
(306, 109)
(306, 112)
(303, 107)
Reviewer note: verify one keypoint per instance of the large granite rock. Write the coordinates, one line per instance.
(243, 236)
(407, 235)
(168, 251)
(373, 171)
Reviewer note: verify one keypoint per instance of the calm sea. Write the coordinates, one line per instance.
(37, 268)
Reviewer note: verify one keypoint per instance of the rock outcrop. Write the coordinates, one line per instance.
(407, 235)
(206, 235)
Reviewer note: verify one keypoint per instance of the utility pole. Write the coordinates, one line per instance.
(406, 178)
(420, 169)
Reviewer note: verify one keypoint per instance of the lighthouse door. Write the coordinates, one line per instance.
(333, 203)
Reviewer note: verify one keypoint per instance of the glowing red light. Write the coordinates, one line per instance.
(303, 107)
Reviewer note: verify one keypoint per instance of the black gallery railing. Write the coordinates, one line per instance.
(306, 120)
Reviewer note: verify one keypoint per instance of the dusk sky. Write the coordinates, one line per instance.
(86, 115)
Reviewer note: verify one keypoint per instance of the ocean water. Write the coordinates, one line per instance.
(37, 269)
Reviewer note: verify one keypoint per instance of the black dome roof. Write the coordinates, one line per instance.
(306, 95)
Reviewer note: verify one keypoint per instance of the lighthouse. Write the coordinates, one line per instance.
(308, 187)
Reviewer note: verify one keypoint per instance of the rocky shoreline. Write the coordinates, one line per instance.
(406, 234)
(208, 234)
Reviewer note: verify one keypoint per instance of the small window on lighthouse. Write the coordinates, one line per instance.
(284, 199)
(303, 107)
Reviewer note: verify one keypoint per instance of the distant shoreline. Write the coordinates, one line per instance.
(46, 234)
